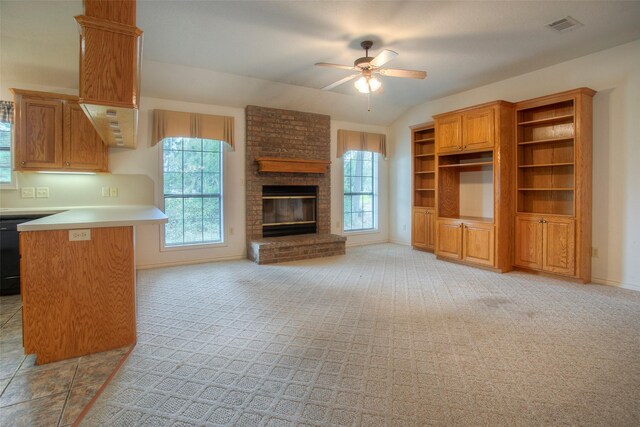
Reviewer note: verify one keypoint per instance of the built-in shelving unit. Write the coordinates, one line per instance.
(553, 189)
(423, 186)
(474, 162)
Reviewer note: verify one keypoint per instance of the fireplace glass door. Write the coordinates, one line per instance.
(288, 210)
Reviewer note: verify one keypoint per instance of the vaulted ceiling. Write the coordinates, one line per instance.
(263, 52)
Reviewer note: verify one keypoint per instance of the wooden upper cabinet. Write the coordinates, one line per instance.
(449, 133)
(478, 129)
(39, 133)
(122, 11)
(528, 248)
(469, 130)
(83, 147)
(558, 255)
(53, 133)
(478, 243)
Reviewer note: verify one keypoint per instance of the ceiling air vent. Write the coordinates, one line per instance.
(564, 25)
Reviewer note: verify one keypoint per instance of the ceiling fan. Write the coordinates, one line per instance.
(366, 67)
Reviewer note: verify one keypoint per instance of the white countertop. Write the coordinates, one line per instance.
(91, 217)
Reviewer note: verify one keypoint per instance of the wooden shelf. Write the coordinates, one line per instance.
(283, 165)
(424, 155)
(545, 189)
(547, 141)
(547, 120)
(423, 172)
(467, 165)
(545, 214)
(425, 140)
(546, 165)
(425, 189)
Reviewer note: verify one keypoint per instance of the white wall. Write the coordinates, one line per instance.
(615, 74)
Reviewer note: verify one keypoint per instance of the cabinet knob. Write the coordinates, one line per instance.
(67, 163)
(23, 163)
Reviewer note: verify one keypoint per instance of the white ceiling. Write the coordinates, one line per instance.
(460, 44)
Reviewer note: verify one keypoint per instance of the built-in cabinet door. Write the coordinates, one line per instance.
(449, 239)
(528, 247)
(478, 243)
(559, 251)
(419, 228)
(478, 129)
(83, 147)
(39, 137)
(449, 134)
(431, 228)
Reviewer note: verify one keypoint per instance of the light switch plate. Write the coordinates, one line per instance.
(42, 192)
(113, 192)
(78, 235)
(28, 192)
(106, 192)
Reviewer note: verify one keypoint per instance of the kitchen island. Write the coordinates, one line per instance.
(78, 280)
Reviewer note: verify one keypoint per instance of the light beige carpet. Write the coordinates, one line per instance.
(382, 336)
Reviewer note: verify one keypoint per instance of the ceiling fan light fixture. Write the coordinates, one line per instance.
(367, 84)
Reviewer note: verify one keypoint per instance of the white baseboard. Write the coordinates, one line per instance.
(615, 284)
(371, 242)
(400, 242)
(189, 262)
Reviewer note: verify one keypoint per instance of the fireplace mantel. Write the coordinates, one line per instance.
(283, 165)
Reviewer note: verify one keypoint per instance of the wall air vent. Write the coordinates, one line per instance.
(564, 25)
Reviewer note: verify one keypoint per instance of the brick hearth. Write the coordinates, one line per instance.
(273, 132)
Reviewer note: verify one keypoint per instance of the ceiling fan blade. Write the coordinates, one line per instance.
(383, 57)
(339, 82)
(342, 67)
(411, 74)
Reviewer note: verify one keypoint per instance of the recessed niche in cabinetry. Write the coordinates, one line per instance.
(465, 186)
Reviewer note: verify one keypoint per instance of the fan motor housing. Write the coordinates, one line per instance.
(364, 62)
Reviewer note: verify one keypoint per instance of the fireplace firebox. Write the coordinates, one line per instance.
(289, 210)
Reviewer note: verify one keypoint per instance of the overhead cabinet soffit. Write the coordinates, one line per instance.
(110, 57)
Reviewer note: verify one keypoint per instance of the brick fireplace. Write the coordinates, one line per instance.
(283, 134)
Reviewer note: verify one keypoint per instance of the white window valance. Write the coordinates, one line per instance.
(361, 141)
(176, 124)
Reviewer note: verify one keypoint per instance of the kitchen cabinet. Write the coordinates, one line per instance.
(465, 240)
(546, 243)
(53, 134)
(466, 131)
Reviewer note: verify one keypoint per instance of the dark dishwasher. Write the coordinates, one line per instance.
(10, 252)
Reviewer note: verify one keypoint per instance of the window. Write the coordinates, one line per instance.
(6, 175)
(360, 190)
(192, 172)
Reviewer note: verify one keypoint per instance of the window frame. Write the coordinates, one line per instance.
(375, 190)
(13, 184)
(161, 196)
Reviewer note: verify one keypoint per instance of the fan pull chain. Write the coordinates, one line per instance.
(369, 101)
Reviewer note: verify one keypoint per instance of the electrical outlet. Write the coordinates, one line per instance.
(594, 252)
(42, 192)
(28, 192)
(113, 192)
(230, 231)
(78, 235)
(106, 192)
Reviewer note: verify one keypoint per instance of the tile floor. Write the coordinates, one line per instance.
(47, 395)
